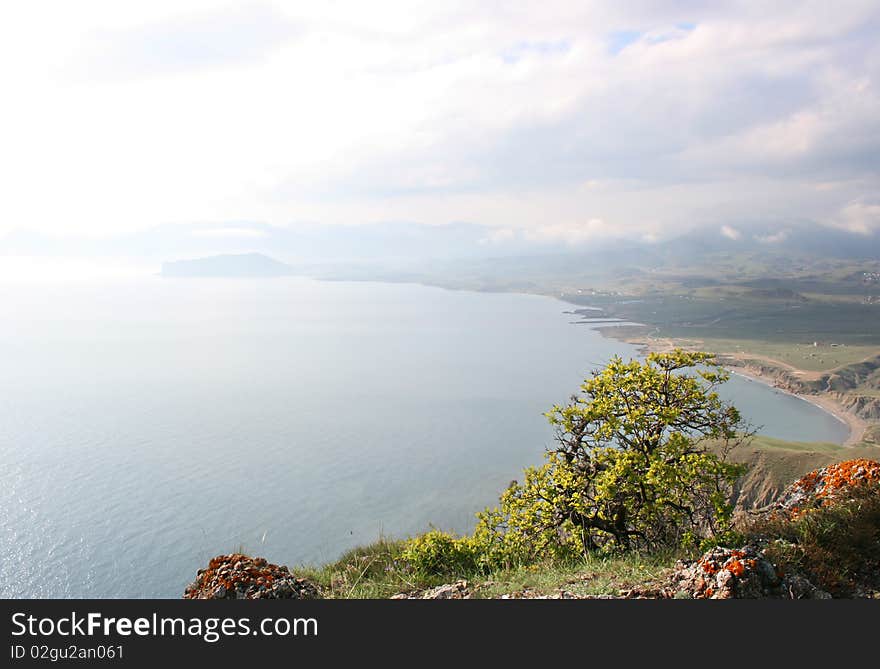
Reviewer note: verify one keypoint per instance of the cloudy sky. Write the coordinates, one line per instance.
(561, 121)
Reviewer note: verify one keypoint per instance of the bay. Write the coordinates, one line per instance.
(148, 424)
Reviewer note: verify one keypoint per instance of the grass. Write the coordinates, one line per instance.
(376, 571)
(760, 442)
(594, 576)
(801, 355)
(837, 546)
(745, 320)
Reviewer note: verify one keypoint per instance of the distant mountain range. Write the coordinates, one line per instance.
(371, 249)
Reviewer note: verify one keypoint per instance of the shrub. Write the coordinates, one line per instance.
(632, 468)
(438, 553)
(529, 524)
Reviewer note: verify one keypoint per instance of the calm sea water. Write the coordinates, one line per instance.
(149, 424)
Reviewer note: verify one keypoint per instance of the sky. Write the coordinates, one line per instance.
(547, 121)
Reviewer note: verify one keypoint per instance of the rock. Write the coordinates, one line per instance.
(744, 573)
(798, 587)
(457, 590)
(239, 576)
(768, 573)
(827, 485)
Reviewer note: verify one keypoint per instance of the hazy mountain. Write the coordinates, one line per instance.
(368, 250)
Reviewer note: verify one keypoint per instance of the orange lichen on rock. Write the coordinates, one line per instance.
(849, 474)
(725, 573)
(827, 485)
(735, 567)
(238, 576)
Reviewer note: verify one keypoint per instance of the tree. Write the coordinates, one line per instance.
(632, 465)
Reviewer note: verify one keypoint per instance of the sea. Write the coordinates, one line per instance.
(148, 424)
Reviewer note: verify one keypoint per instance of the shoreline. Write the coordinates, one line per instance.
(857, 426)
(646, 344)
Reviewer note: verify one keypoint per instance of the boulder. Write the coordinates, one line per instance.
(827, 485)
(239, 576)
(744, 573)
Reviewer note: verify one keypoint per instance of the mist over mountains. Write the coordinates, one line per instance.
(375, 250)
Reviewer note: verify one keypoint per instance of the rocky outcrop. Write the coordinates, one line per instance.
(863, 406)
(744, 573)
(790, 533)
(780, 377)
(239, 576)
(827, 485)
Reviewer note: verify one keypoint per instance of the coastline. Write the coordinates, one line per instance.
(647, 344)
(857, 425)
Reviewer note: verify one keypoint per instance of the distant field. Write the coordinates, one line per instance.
(820, 358)
(763, 443)
(803, 356)
(781, 329)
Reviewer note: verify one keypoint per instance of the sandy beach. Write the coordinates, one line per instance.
(857, 426)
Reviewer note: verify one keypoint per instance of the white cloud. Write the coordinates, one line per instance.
(774, 238)
(229, 232)
(730, 232)
(126, 115)
(573, 233)
(861, 217)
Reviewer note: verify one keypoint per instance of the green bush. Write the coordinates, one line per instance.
(632, 468)
(529, 524)
(438, 553)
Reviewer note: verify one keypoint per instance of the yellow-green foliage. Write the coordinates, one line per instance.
(630, 468)
(529, 522)
(439, 553)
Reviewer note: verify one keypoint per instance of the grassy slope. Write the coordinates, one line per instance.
(805, 356)
(376, 571)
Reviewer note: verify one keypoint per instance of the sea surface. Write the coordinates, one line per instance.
(148, 424)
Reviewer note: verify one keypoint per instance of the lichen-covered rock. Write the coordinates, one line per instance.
(827, 485)
(745, 573)
(239, 576)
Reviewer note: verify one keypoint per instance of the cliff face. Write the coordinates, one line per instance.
(862, 406)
